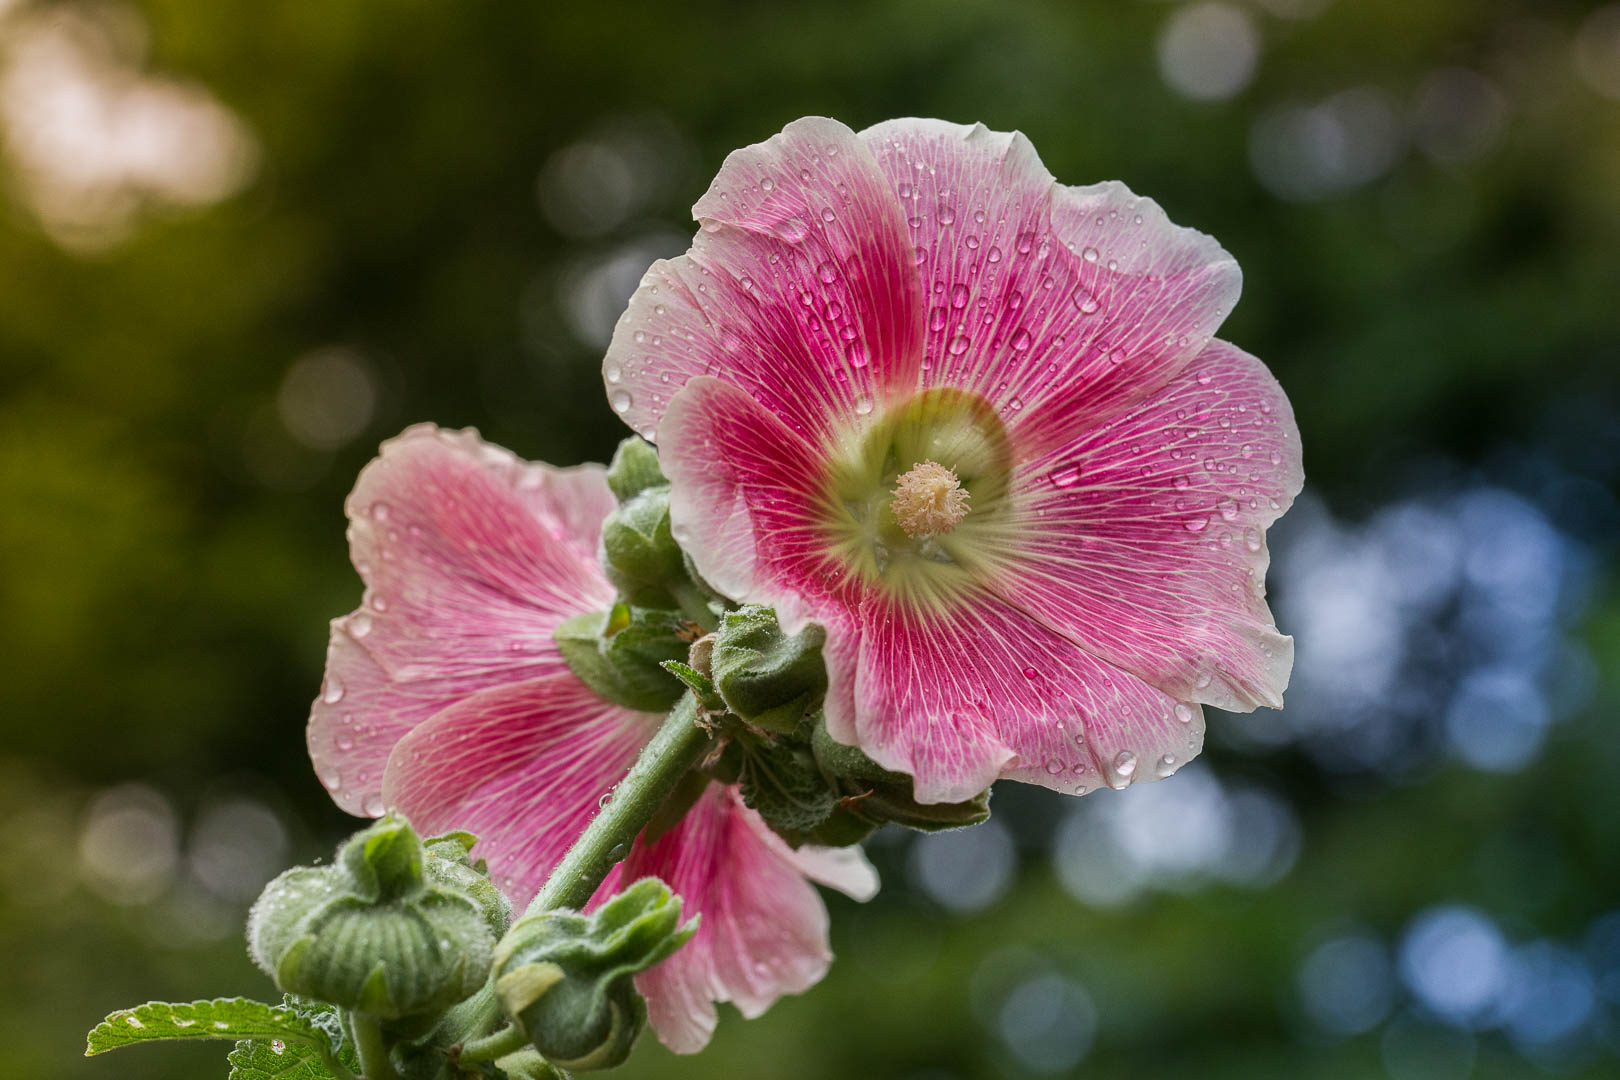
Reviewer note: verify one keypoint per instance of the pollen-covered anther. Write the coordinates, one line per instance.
(929, 500)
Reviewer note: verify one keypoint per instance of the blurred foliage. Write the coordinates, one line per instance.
(172, 544)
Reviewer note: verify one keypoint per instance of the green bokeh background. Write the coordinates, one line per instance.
(170, 550)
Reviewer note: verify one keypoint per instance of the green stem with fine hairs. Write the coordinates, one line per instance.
(372, 1048)
(678, 746)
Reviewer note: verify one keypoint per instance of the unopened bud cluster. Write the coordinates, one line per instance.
(394, 928)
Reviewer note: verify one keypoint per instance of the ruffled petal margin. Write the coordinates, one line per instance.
(471, 558)
(763, 928)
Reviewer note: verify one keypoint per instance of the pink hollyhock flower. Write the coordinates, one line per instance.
(977, 425)
(446, 698)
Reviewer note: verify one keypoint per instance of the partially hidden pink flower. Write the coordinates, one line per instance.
(446, 698)
(977, 425)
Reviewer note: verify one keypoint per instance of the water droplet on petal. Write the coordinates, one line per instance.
(621, 401)
(1091, 255)
(332, 692)
(1054, 766)
(1124, 766)
(1167, 765)
(1184, 712)
(372, 804)
(958, 345)
(1020, 341)
(1064, 476)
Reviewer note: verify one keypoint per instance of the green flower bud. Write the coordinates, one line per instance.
(566, 979)
(767, 677)
(878, 796)
(620, 653)
(390, 929)
(450, 865)
(782, 781)
(634, 469)
(639, 555)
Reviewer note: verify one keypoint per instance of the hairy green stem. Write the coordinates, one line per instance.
(508, 1040)
(693, 605)
(372, 1047)
(678, 746)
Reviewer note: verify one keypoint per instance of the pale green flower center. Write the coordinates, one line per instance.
(918, 501)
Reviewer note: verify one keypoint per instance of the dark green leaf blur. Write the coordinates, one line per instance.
(240, 244)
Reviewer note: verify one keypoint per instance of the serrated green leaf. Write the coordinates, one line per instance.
(254, 1059)
(700, 684)
(222, 1018)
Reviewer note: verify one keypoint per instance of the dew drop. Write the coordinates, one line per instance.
(1125, 765)
(1020, 341)
(1167, 765)
(1184, 712)
(863, 406)
(936, 319)
(345, 743)
(1030, 673)
(959, 295)
(947, 213)
(332, 693)
(613, 373)
(372, 804)
(1196, 524)
(1087, 303)
(958, 345)
(1064, 476)
(1091, 255)
(1054, 766)
(621, 401)
(1026, 241)
(827, 272)
(133, 1022)
(767, 184)
(360, 624)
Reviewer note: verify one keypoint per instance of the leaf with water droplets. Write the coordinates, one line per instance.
(293, 1041)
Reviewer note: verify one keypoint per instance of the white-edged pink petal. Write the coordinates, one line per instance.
(1078, 300)
(800, 288)
(963, 696)
(742, 487)
(522, 766)
(763, 928)
(471, 557)
(1145, 539)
